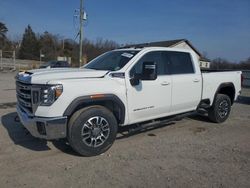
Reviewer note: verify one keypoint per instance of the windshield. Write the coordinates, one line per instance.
(112, 61)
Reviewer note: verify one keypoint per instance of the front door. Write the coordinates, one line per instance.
(149, 99)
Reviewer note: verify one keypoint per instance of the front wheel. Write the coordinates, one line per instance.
(220, 110)
(92, 130)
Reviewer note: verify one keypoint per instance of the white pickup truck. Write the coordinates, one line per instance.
(134, 86)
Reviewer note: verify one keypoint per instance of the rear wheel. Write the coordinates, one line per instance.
(92, 130)
(220, 110)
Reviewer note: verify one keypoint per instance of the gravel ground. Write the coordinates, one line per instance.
(7, 87)
(192, 152)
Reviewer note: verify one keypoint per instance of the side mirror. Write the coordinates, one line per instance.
(135, 80)
(149, 71)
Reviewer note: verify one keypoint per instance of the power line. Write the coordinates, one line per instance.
(76, 36)
(76, 20)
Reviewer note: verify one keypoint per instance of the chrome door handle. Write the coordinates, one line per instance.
(196, 80)
(165, 83)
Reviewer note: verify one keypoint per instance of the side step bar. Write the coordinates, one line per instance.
(158, 122)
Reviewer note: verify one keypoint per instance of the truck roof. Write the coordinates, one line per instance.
(155, 48)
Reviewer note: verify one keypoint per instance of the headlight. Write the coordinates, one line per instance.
(50, 94)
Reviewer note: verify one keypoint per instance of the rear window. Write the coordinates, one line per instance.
(179, 62)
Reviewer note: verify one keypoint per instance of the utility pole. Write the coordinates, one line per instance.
(81, 32)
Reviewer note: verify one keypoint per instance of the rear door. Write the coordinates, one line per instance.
(186, 81)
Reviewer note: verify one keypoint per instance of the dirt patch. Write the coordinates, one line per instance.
(7, 105)
(197, 130)
(151, 134)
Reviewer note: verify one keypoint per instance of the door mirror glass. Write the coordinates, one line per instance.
(135, 80)
(149, 71)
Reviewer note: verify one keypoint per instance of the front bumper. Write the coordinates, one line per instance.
(45, 128)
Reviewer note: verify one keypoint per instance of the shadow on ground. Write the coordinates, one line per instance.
(202, 118)
(131, 130)
(243, 100)
(20, 136)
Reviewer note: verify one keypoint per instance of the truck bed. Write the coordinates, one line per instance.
(213, 79)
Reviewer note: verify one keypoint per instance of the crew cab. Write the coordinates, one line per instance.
(122, 87)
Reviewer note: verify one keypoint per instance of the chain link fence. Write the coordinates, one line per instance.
(8, 62)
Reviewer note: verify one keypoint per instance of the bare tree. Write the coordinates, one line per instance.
(220, 63)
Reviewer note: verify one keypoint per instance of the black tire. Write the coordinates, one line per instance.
(221, 109)
(84, 123)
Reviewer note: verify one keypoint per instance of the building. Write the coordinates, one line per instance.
(181, 43)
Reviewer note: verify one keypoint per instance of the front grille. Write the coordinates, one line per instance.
(24, 96)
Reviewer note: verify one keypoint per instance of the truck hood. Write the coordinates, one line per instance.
(43, 76)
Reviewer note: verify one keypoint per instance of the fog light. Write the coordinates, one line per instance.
(41, 128)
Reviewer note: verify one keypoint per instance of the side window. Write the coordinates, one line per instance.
(179, 62)
(150, 57)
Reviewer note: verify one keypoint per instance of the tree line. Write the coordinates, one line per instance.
(32, 45)
(219, 64)
(52, 46)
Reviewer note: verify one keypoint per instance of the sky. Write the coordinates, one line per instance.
(218, 28)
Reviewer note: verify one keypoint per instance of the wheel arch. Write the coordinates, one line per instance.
(110, 101)
(226, 89)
